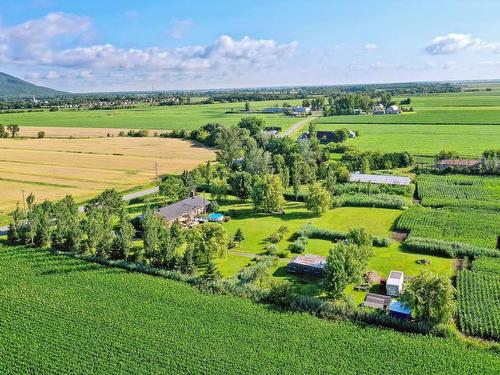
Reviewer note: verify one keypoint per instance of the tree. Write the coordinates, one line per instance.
(109, 200)
(257, 161)
(267, 194)
(67, 234)
(330, 181)
(40, 224)
(238, 236)
(13, 129)
(344, 265)
(241, 184)
(211, 273)
(281, 169)
(152, 225)
(173, 188)
(41, 134)
(319, 200)
(3, 132)
(247, 107)
(124, 241)
(208, 241)
(359, 237)
(365, 165)
(444, 154)
(92, 230)
(219, 188)
(188, 179)
(188, 265)
(229, 145)
(385, 98)
(430, 296)
(15, 231)
(253, 124)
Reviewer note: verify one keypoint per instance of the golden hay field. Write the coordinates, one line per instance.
(52, 168)
(62, 132)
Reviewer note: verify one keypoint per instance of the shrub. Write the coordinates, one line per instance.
(41, 134)
(299, 245)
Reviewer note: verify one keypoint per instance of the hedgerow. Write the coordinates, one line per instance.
(310, 231)
(370, 200)
(446, 248)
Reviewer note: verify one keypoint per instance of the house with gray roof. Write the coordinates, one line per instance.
(308, 264)
(186, 209)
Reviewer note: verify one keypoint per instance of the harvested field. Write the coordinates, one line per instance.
(52, 168)
(60, 132)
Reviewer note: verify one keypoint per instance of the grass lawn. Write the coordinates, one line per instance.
(232, 264)
(150, 117)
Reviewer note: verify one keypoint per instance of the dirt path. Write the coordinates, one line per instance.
(244, 254)
(298, 125)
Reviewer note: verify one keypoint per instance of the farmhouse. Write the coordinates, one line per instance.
(399, 310)
(307, 264)
(274, 110)
(379, 179)
(184, 210)
(393, 110)
(358, 111)
(378, 109)
(299, 110)
(459, 163)
(352, 134)
(376, 301)
(394, 283)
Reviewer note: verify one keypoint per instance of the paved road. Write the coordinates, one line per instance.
(126, 197)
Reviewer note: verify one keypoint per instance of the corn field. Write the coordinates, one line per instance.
(63, 315)
(479, 303)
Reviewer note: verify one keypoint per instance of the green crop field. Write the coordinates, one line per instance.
(478, 307)
(486, 264)
(459, 190)
(62, 315)
(149, 117)
(474, 226)
(466, 122)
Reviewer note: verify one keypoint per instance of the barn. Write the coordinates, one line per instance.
(307, 264)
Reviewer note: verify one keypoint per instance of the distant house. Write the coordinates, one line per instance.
(272, 130)
(376, 301)
(274, 110)
(379, 179)
(358, 111)
(184, 210)
(399, 310)
(325, 136)
(459, 163)
(352, 134)
(393, 110)
(378, 109)
(300, 110)
(303, 137)
(307, 264)
(394, 283)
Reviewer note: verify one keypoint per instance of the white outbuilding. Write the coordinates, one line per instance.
(394, 283)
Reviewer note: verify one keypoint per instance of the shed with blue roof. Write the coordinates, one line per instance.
(399, 310)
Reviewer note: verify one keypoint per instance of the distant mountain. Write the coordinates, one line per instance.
(13, 87)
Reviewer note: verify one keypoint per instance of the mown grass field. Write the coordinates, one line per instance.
(468, 123)
(150, 117)
(62, 315)
(53, 168)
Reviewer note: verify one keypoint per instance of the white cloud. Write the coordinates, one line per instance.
(370, 47)
(454, 43)
(179, 28)
(49, 44)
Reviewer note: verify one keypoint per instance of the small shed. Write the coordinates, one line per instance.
(394, 284)
(307, 264)
(376, 301)
(393, 110)
(399, 310)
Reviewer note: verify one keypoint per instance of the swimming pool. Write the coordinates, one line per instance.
(216, 216)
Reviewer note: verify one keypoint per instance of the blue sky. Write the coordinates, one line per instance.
(131, 45)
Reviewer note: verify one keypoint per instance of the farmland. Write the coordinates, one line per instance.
(467, 122)
(52, 168)
(149, 117)
(478, 307)
(477, 227)
(457, 190)
(144, 324)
